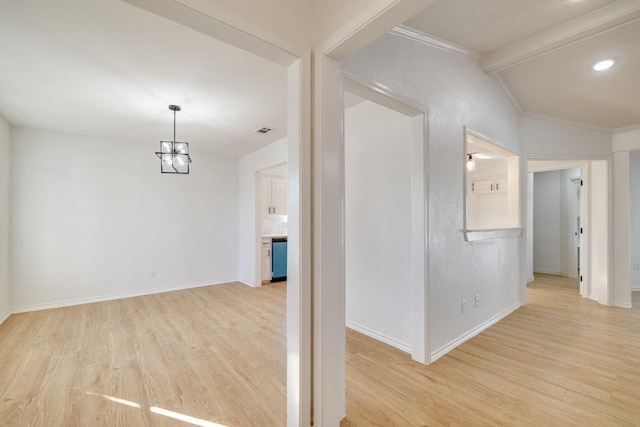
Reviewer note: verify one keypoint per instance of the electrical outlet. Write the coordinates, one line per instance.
(463, 306)
(152, 274)
(477, 300)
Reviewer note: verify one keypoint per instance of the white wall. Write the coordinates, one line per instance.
(599, 232)
(624, 272)
(546, 222)
(549, 139)
(634, 172)
(529, 228)
(378, 223)
(456, 93)
(5, 192)
(92, 218)
(626, 141)
(249, 220)
(487, 210)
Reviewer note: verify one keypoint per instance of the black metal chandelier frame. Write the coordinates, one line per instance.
(174, 156)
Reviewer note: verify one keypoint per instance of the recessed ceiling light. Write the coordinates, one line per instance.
(605, 64)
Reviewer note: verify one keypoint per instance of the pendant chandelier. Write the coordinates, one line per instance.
(174, 156)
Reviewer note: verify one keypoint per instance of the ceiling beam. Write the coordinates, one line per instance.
(606, 18)
(217, 28)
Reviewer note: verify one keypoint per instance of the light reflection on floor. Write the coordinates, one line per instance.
(160, 411)
(182, 417)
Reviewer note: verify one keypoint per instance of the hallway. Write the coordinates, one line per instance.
(560, 361)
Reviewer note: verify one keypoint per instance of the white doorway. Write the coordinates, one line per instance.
(556, 210)
(385, 233)
(592, 258)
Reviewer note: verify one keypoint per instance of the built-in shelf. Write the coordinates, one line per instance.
(477, 235)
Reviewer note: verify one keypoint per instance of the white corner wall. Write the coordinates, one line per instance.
(634, 172)
(456, 93)
(529, 231)
(378, 223)
(625, 269)
(598, 232)
(249, 231)
(5, 193)
(91, 219)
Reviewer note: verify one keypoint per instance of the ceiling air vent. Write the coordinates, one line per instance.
(264, 130)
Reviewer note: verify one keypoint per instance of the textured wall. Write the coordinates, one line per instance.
(456, 93)
(635, 219)
(5, 191)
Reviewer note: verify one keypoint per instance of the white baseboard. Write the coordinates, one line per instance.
(543, 271)
(4, 316)
(380, 337)
(248, 283)
(67, 303)
(453, 344)
(530, 279)
(635, 289)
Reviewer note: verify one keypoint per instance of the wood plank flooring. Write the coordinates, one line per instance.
(218, 354)
(215, 353)
(559, 361)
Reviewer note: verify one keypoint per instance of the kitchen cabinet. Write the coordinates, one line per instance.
(274, 194)
(490, 185)
(266, 260)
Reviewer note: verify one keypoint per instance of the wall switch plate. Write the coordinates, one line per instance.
(463, 306)
(477, 300)
(636, 266)
(152, 274)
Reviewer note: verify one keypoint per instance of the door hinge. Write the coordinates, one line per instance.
(580, 230)
(581, 183)
(581, 278)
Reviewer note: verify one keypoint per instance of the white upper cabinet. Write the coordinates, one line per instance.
(489, 185)
(274, 195)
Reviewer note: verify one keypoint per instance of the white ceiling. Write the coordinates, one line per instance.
(542, 52)
(106, 68)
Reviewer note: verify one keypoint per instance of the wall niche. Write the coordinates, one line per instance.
(492, 189)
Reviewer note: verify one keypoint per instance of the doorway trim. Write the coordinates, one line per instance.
(575, 212)
(379, 94)
(590, 267)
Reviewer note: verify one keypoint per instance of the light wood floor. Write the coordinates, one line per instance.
(218, 354)
(559, 361)
(215, 353)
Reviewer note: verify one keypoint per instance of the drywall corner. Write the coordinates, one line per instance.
(5, 195)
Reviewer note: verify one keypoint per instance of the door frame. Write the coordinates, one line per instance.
(546, 165)
(381, 95)
(575, 211)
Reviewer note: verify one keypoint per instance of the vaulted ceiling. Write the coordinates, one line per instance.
(543, 52)
(107, 68)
